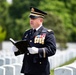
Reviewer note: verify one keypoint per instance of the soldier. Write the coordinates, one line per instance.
(43, 45)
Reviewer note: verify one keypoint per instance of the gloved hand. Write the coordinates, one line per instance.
(14, 49)
(33, 50)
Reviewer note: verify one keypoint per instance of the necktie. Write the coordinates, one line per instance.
(34, 30)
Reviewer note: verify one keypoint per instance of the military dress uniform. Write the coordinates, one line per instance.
(44, 40)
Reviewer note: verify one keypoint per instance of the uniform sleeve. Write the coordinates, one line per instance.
(17, 53)
(50, 46)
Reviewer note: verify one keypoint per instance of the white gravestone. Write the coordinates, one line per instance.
(13, 60)
(72, 66)
(7, 60)
(17, 68)
(20, 59)
(2, 61)
(63, 71)
(9, 70)
(2, 71)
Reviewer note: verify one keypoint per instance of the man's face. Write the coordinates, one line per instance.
(34, 23)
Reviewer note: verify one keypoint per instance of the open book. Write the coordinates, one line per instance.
(21, 45)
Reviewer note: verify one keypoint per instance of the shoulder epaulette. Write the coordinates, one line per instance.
(49, 30)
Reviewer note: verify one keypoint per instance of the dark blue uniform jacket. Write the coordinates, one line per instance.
(44, 40)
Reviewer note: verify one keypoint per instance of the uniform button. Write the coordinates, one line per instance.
(27, 53)
(40, 62)
(30, 40)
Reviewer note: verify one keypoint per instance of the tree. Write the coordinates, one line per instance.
(55, 23)
(55, 20)
(3, 12)
(70, 22)
(18, 13)
(14, 17)
(4, 18)
(19, 7)
(2, 36)
(73, 19)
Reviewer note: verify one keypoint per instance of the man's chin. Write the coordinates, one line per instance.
(32, 26)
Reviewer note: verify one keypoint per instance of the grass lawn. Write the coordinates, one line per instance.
(69, 62)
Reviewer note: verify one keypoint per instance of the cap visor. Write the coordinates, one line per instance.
(34, 17)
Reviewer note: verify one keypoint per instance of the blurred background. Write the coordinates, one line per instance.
(61, 18)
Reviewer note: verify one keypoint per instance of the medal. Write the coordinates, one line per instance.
(42, 40)
(39, 39)
(35, 39)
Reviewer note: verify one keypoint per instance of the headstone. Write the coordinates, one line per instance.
(13, 60)
(7, 60)
(72, 66)
(63, 71)
(20, 59)
(1, 54)
(17, 69)
(2, 61)
(9, 70)
(2, 71)
(50, 61)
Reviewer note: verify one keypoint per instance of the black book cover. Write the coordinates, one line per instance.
(21, 45)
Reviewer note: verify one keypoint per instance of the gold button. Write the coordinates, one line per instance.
(30, 40)
(40, 62)
(27, 53)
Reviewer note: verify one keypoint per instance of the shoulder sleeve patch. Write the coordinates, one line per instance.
(44, 31)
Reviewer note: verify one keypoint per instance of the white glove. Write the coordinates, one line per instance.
(33, 50)
(14, 49)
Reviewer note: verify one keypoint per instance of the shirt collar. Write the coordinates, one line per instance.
(38, 27)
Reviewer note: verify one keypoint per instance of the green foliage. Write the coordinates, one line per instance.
(73, 19)
(3, 12)
(21, 25)
(19, 7)
(19, 20)
(55, 23)
(2, 34)
(66, 11)
(61, 18)
(3, 20)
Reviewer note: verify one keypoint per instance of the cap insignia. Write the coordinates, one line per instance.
(32, 10)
